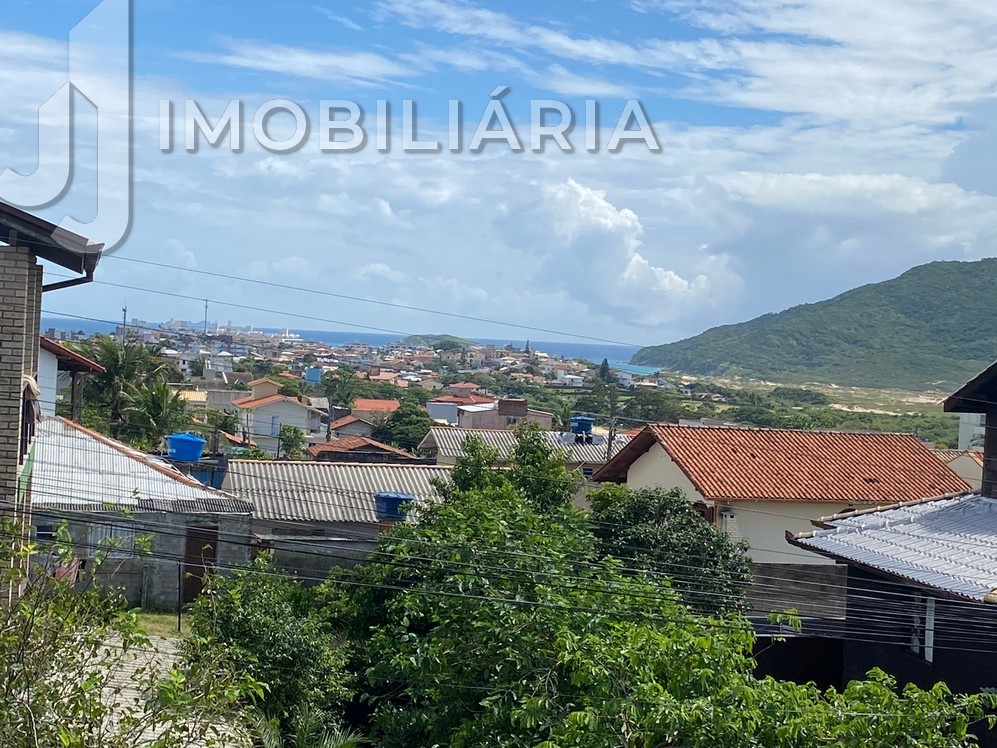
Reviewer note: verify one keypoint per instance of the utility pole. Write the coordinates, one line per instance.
(612, 422)
(205, 318)
(124, 322)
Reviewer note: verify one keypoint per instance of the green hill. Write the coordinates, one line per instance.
(933, 327)
(436, 341)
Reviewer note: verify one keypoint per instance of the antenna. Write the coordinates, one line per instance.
(205, 316)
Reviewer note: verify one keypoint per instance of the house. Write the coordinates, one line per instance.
(26, 240)
(445, 444)
(445, 408)
(350, 425)
(317, 515)
(504, 414)
(922, 575)
(371, 409)
(464, 388)
(741, 478)
(262, 413)
(360, 449)
(56, 362)
(966, 463)
(921, 590)
(110, 495)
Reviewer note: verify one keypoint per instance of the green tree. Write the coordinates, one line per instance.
(65, 649)
(342, 387)
(404, 428)
(292, 441)
(227, 422)
(658, 530)
(308, 731)
(196, 367)
(127, 366)
(290, 387)
(265, 620)
(489, 623)
(155, 410)
(604, 372)
(595, 402)
(653, 405)
(538, 471)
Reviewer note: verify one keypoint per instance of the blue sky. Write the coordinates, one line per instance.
(808, 146)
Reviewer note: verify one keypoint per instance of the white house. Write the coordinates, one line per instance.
(760, 483)
(262, 413)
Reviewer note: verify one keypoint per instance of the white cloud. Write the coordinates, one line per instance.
(340, 19)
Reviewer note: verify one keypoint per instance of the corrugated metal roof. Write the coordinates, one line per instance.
(449, 442)
(75, 469)
(325, 491)
(947, 544)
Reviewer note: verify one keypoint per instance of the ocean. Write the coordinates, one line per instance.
(617, 355)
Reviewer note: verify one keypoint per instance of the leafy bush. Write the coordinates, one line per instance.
(267, 621)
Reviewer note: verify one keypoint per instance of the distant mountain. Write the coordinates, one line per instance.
(436, 341)
(933, 327)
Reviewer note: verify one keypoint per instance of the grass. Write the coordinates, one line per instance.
(162, 624)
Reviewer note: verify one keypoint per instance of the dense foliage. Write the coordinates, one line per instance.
(68, 647)
(921, 330)
(659, 531)
(404, 428)
(269, 625)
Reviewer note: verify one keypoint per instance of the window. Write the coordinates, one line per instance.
(587, 472)
(118, 541)
(922, 633)
(275, 426)
(45, 534)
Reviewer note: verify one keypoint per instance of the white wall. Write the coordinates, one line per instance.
(48, 380)
(655, 468)
(442, 411)
(971, 430)
(259, 422)
(762, 523)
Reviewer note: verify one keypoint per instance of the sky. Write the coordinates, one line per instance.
(806, 147)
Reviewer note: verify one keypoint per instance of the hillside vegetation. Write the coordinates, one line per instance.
(932, 327)
(436, 341)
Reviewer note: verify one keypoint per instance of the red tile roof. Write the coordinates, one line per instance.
(346, 421)
(262, 380)
(73, 360)
(788, 465)
(465, 386)
(354, 443)
(249, 402)
(380, 406)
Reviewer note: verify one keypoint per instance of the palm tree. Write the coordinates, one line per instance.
(309, 732)
(127, 366)
(154, 411)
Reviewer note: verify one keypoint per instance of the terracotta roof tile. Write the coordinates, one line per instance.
(380, 406)
(249, 402)
(789, 465)
(353, 443)
(346, 421)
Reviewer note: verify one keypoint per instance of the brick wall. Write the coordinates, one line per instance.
(19, 279)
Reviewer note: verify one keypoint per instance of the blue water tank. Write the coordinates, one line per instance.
(185, 447)
(582, 424)
(388, 504)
